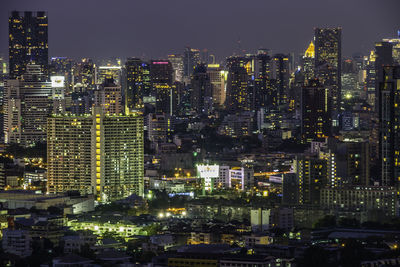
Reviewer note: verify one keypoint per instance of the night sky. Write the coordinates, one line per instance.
(153, 28)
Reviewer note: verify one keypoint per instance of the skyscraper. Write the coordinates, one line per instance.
(315, 112)
(161, 74)
(201, 91)
(137, 81)
(328, 58)
(389, 124)
(27, 104)
(28, 41)
(238, 96)
(218, 81)
(281, 76)
(191, 58)
(308, 62)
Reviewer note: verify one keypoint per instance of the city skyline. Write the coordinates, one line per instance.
(94, 33)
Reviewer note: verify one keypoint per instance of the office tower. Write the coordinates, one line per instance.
(383, 57)
(370, 83)
(349, 79)
(308, 62)
(238, 97)
(389, 124)
(138, 83)
(28, 40)
(161, 74)
(280, 72)
(328, 58)
(27, 104)
(69, 154)
(201, 97)
(315, 112)
(96, 154)
(84, 75)
(109, 72)
(311, 173)
(3, 77)
(264, 95)
(218, 78)
(109, 97)
(396, 47)
(191, 58)
(177, 66)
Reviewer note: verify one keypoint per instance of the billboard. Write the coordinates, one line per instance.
(57, 81)
(208, 171)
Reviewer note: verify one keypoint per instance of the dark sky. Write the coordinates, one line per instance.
(154, 28)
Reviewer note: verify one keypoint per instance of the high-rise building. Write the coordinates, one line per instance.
(28, 41)
(308, 62)
(238, 95)
(69, 154)
(161, 74)
(383, 57)
(218, 78)
(109, 72)
(96, 154)
(389, 124)
(84, 75)
(27, 104)
(315, 112)
(280, 73)
(191, 58)
(201, 97)
(178, 66)
(311, 173)
(138, 82)
(109, 97)
(264, 96)
(328, 59)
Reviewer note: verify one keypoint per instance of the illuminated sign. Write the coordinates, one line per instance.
(57, 81)
(160, 62)
(208, 171)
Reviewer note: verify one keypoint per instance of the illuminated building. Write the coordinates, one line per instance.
(389, 125)
(161, 74)
(280, 73)
(238, 97)
(98, 154)
(308, 61)
(109, 97)
(383, 57)
(370, 77)
(201, 97)
(349, 79)
(28, 41)
(158, 127)
(178, 66)
(109, 72)
(241, 178)
(237, 125)
(191, 58)
(62, 66)
(84, 75)
(138, 82)
(361, 198)
(328, 60)
(27, 104)
(311, 173)
(218, 78)
(208, 174)
(69, 154)
(315, 112)
(264, 95)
